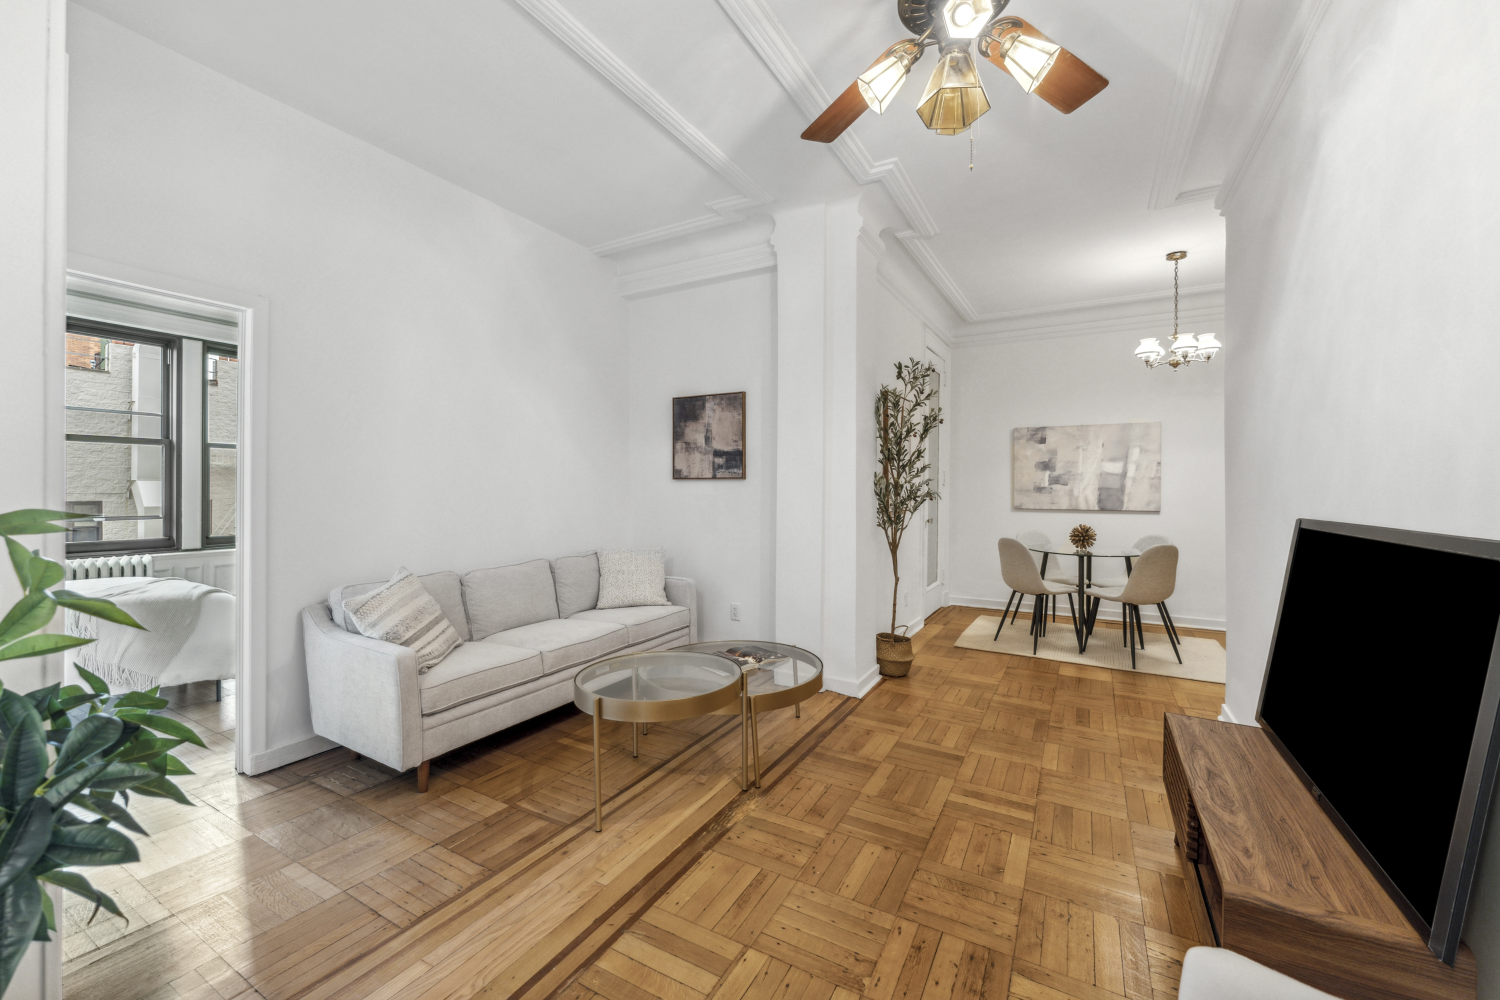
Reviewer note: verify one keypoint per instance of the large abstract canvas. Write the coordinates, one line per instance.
(1086, 467)
(708, 436)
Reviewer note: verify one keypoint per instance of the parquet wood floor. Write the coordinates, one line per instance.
(990, 826)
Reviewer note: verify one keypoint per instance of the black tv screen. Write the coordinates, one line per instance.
(1381, 691)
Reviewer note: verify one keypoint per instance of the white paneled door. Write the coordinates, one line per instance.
(935, 570)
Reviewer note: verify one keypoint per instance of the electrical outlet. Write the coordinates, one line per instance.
(734, 612)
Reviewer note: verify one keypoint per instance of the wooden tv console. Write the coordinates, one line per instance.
(1281, 883)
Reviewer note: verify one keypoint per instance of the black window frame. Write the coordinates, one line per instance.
(171, 347)
(219, 541)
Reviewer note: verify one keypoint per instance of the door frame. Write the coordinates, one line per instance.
(935, 595)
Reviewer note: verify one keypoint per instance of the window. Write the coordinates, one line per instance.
(120, 460)
(220, 432)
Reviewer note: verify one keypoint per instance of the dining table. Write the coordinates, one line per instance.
(1083, 623)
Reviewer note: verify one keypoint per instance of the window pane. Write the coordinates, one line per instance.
(123, 480)
(223, 481)
(222, 372)
(131, 381)
(85, 531)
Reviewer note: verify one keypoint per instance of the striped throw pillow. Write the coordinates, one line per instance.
(404, 612)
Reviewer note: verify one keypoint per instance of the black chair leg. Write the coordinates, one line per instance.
(1130, 620)
(1008, 603)
(1038, 621)
(1167, 617)
(1171, 636)
(1140, 629)
(1020, 600)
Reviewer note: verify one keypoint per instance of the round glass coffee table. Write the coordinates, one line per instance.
(659, 686)
(776, 675)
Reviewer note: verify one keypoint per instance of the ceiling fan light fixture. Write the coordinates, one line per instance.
(967, 18)
(954, 98)
(1028, 59)
(878, 84)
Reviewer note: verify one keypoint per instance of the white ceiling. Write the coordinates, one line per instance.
(613, 124)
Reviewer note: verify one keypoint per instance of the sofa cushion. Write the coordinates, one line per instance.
(444, 587)
(632, 578)
(404, 612)
(508, 597)
(474, 670)
(640, 623)
(566, 642)
(577, 580)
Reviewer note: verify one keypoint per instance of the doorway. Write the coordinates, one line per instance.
(934, 535)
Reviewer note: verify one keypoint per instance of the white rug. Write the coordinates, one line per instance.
(1202, 659)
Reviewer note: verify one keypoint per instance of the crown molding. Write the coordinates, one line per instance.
(571, 32)
(921, 252)
(1150, 311)
(1299, 40)
(902, 294)
(722, 265)
(1202, 46)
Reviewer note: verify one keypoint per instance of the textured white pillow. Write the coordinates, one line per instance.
(632, 578)
(404, 612)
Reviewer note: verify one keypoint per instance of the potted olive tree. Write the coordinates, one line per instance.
(71, 757)
(904, 418)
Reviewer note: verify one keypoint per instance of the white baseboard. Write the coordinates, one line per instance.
(1105, 614)
(269, 760)
(857, 688)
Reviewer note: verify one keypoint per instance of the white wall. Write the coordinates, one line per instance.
(1090, 379)
(447, 384)
(709, 338)
(1363, 248)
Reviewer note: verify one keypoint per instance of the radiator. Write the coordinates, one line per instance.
(108, 566)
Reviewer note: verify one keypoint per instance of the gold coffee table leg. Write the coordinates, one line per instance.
(598, 796)
(635, 739)
(744, 740)
(755, 740)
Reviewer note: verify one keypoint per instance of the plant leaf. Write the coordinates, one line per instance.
(20, 909)
(163, 787)
(80, 886)
(25, 762)
(20, 558)
(9, 520)
(87, 738)
(110, 810)
(119, 777)
(169, 765)
(41, 645)
(171, 727)
(47, 922)
(93, 681)
(41, 697)
(145, 748)
(25, 840)
(44, 573)
(96, 607)
(91, 845)
(140, 699)
(30, 613)
(65, 788)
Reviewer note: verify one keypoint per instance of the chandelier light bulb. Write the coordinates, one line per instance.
(1208, 346)
(1150, 350)
(967, 18)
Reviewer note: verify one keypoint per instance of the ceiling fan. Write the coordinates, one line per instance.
(955, 98)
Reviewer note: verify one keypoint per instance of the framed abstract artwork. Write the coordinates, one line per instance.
(1086, 467)
(708, 436)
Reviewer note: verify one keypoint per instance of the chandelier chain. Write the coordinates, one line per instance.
(1175, 265)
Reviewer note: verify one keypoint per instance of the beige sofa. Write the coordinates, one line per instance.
(527, 630)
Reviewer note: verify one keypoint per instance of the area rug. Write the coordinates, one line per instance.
(1202, 659)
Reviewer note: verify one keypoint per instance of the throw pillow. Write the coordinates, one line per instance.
(404, 612)
(632, 578)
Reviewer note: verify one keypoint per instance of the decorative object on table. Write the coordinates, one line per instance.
(904, 418)
(1186, 348)
(1086, 467)
(107, 745)
(404, 612)
(1082, 538)
(632, 578)
(955, 97)
(708, 436)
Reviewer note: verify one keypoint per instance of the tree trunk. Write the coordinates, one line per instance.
(895, 588)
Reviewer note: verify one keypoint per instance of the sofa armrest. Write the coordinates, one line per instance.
(683, 592)
(363, 692)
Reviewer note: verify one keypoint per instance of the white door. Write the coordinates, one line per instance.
(935, 580)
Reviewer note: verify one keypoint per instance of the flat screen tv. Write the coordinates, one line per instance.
(1381, 692)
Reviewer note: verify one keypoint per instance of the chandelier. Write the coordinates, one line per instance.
(1186, 348)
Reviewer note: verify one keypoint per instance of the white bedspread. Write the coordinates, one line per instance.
(125, 657)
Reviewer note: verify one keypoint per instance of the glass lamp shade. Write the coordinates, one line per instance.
(1208, 346)
(878, 84)
(1028, 58)
(1150, 350)
(1184, 344)
(967, 18)
(954, 98)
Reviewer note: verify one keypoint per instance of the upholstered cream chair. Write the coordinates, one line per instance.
(1151, 582)
(1022, 577)
(1217, 974)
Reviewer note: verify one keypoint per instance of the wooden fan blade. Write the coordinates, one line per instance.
(1070, 83)
(839, 115)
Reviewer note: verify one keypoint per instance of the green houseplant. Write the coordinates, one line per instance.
(71, 757)
(904, 419)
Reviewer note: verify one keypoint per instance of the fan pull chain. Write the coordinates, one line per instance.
(972, 129)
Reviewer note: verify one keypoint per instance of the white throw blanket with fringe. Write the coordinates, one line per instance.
(126, 657)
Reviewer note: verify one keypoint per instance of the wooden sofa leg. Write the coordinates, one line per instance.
(353, 756)
(422, 771)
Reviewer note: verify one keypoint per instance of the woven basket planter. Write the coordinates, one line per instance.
(893, 653)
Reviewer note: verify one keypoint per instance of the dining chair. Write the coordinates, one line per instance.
(1151, 582)
(1055, 569)
(1021, 575)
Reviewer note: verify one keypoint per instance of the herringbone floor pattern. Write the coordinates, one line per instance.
(989, 826)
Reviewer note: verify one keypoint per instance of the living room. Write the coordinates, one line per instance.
(465, 263)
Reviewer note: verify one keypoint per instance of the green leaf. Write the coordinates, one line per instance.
(41, 645)
(144, 749)
(80, 886)
(162, 787)
(24, 841)
(20, 558)
(119, 777)
(41, 697)
(171, 727)
(32, 528)
(9, 520)
(30, 613)
(93, 681)
(44, 573)
(47, 922)
(20, 909)
(87, 738)
(96, 607)
(73, 701)
(65, 788)
(169, 765)
(91, 845)
(25, 762)
(109, 810)
(140, 699)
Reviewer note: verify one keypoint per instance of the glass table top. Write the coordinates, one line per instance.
(657, 675)
(768, 666)
(1098, 551)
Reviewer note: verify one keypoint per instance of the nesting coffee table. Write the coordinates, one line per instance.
(707, 678)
